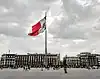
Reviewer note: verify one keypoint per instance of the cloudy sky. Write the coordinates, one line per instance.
(73, 26)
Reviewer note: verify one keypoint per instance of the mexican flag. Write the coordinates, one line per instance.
(39, 27)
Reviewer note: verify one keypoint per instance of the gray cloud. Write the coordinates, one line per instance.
(20, 12)
(47, 0)
(74, 13)
(14, 31)
(71, 20)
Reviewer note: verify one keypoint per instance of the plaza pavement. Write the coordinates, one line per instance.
(49, 74)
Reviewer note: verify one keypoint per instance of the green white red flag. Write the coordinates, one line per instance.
(39, 27)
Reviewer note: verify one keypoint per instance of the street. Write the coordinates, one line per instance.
(49, 74)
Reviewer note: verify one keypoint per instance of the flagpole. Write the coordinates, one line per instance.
(46, 50)
(45, 35)
(45, 41)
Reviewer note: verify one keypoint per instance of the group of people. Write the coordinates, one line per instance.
(26, 68)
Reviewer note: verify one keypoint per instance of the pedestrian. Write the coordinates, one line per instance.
(64, 65)
(41, 68)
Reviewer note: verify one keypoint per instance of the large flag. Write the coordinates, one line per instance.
(38, 27)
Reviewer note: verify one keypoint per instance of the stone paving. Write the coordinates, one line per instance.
(49, 74)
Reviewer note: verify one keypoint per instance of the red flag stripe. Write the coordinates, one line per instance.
(37, 28)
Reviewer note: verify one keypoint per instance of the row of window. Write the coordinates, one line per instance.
(34, 57)
(8, 63)
(9, 56)
(30, 57)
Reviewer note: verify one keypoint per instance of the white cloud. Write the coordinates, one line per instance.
(66, 45)
(78, 41)
(73, 25)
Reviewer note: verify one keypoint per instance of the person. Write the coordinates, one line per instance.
(29, 67)
(64, 65)
(1, 67)
(24, 67)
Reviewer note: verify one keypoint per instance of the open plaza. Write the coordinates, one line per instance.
(73, 73)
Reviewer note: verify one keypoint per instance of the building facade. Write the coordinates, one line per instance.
(83, 60)
(31, 60)
(98, 59)
(8, 60)
(72, 62)
(87, 59)
(22, 60)
(40, 60)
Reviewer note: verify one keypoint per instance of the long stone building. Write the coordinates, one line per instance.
(73, 62)
(88, 59)
(83, 60)
(8, 60)
(32, 60)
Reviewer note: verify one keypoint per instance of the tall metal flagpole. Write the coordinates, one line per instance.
(45, 35)
(46, 51)
(45, 41)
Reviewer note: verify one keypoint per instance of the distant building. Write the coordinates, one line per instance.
(73, 62)
(40, 60)
(8, 60)
(87, 59)
(22, 60)
(98, 59)
(32, 60)
(84, 60)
